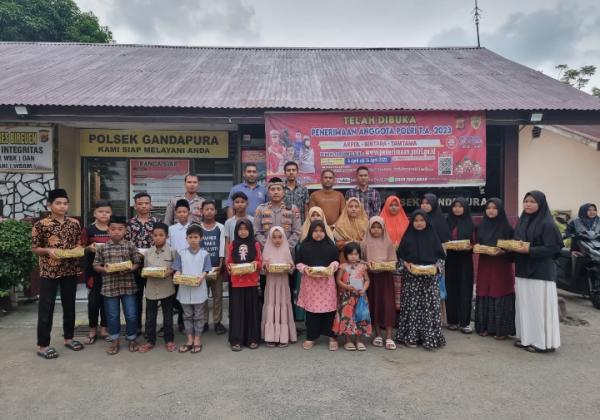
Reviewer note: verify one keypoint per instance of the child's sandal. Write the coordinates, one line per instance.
(333, 345)
(282, 345)
(349, 347)
(171, 347)
(145, 348)
(236, 347)
(307, 345)
(361, 347)
(390, 345)
(378, 342)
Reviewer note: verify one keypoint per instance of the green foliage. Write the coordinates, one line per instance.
(49, 21)
(16, 259)
(578, 78)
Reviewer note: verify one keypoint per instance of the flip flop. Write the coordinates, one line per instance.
(91, 339)
(113, 349)
(236, 348)
(133, 346)
(307, 345)
(390, 345)
(361, 347)
(282, 345)
(333, 345)
(49, 353)
(378, 342)
(145, 348)
(196, 349)
(185, 348)
(74, 345)
(171, 347)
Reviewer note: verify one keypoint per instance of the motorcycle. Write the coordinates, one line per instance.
(580, 272)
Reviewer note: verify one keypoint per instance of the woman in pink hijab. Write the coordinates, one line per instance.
(277, 327)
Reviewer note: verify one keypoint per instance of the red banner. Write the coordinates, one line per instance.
(428, 149)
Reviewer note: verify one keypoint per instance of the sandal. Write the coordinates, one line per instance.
(390, 345)
(74, 345)
(185, 348)
(171, 347)
(196, 349)
(49, 353)
(519, 344)
(236, 347)
(533, 349)
(361, 347)
(253, 346)
(91, 339)
(378, 342)
(113, 348)
(133, 346)
(145, 348)
(270, 345)
(282, 345)
(349, 347)
(307, 345)
(333, 345)
(452, 327)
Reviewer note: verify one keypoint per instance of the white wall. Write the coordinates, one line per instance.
(568, 172)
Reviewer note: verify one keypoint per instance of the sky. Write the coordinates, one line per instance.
(537, 33)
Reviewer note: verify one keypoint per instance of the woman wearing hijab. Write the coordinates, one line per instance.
(377, 247)
(420, 315)
(395, 219)
(318, 294)
(459, 269)
(277, 327)
(396, 223)
(536, 298)
(351, 225)
(438, 222)
(495, 300)
(244, 306)
(314, 213)
(586, 228)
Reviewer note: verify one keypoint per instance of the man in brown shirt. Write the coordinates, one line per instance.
(49, 235)
(331, 201)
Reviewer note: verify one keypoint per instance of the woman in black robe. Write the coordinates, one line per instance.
(419, 321)
(459, 269)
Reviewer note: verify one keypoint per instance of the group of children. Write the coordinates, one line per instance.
(343, 289)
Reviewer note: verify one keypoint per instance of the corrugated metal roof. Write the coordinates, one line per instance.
(277, 78)
(589, 132)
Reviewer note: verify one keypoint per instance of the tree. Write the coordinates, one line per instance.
(49, 21)
(578, 78)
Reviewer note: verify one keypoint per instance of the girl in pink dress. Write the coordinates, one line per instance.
(277, 326)
(318, 294)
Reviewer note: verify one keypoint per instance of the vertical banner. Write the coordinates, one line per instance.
(427, 149)
(158, 177)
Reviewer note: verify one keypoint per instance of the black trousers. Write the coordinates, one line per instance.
(48, 290)
(459, 288)
(152, 314)
(96, 304)
(141, 284)
(318, 324)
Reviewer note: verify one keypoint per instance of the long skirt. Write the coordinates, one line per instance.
(537, 313)
(344, 322)
(459, 287)
(244, 316)
(277, 316)
(420, 318)
(495, 315)
(381, 299)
